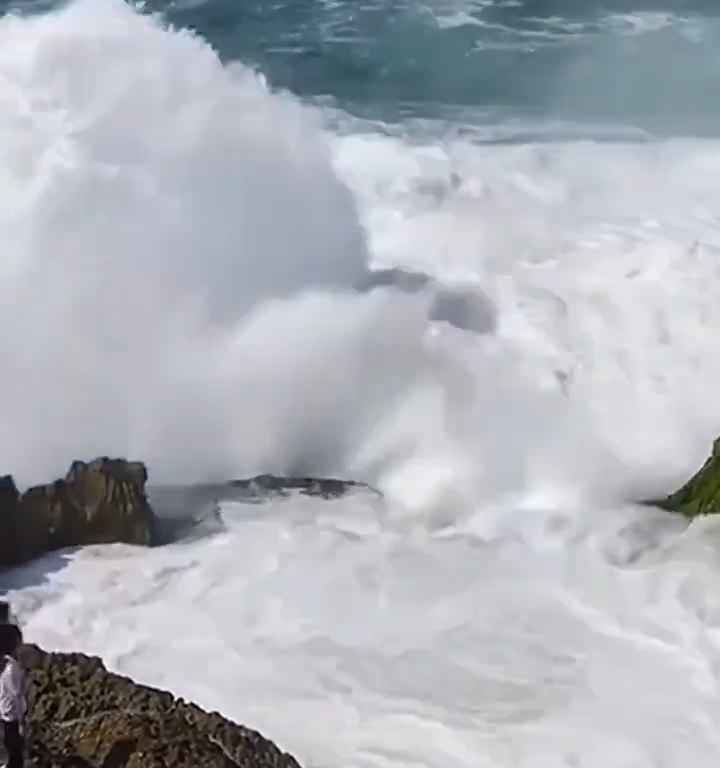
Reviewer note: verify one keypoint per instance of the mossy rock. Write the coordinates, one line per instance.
(701, 494)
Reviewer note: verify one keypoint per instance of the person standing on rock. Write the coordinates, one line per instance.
(12, 695)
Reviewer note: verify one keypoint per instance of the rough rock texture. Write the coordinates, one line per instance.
(701, 494)
(97, 503)
(327, 488)
(84, 716)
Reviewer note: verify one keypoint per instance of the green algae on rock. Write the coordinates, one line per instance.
(701, 494)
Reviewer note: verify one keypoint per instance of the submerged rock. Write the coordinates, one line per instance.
(97, 503)
(83, 715)
(701, 494)
(272, 485)
(462, 306)
(186, 512)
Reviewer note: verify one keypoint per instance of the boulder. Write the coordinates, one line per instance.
(701, 494)
(99, 502)
(82, 715)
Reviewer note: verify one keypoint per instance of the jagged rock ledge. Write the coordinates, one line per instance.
(100, 502)
(105, 501)
(186, 512)
(83, 716)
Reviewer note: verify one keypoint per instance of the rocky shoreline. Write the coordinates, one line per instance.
(106, 501)
(100, 502)
(82, 716)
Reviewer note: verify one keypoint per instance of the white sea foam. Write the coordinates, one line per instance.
(356, 641)
(180, 252)
(640, 23)
(153, 199)
(600, 263)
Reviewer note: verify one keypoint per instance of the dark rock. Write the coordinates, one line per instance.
(327, 488)
(701, 494)
(407, 280)
(82, 715)
(97, 503)
(195, 511)
(464, 308)
(8, 519)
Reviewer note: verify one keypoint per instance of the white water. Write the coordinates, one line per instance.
(179, 256)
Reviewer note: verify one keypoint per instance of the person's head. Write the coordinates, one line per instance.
(10, 639)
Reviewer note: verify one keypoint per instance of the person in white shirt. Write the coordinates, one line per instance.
(12, 696)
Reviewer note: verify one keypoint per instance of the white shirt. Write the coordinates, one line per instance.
(12, 691)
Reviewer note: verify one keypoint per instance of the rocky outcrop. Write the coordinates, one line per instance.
(701, 494)
(83, 716)
(274, 485)
(97, 503)
(195, 511)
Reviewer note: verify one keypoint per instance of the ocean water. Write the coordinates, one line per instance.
(198, 197)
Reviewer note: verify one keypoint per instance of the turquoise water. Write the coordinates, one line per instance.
(643, 62)
(578, 60)
(646, 63)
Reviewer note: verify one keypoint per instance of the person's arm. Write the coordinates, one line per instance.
(15, 690)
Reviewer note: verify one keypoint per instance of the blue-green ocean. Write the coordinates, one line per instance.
(648, 63)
